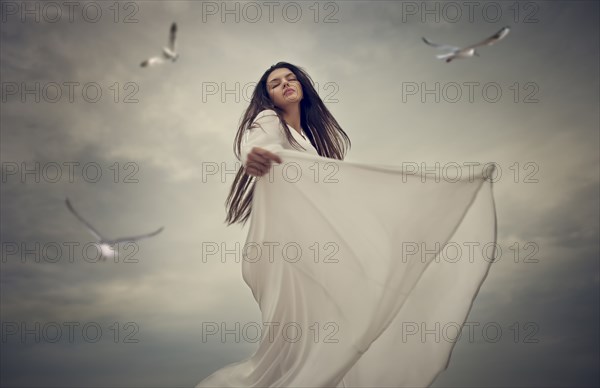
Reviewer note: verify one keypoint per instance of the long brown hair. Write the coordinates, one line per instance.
(321, 128)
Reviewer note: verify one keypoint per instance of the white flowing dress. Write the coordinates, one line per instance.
(364, 274)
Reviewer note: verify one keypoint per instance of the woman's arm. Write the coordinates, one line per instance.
(260, 141)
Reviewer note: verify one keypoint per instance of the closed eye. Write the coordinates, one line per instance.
(292, 78)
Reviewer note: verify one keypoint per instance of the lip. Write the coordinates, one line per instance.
(285, 92)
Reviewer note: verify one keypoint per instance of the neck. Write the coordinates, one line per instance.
(291, 115)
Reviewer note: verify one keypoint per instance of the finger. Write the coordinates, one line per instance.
(274, 157)
(258, 165)
(252, 170)
(267, 154)
(258, 158)
(255, 168)
(262, 163)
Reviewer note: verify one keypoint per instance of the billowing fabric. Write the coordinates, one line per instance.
(364, 274)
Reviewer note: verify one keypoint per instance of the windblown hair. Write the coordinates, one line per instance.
(321, 128)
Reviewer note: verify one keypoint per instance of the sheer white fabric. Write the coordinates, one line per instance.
(364, 274)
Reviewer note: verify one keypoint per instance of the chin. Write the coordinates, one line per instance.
(292, 99)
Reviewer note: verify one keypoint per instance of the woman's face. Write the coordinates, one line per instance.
(284, 88)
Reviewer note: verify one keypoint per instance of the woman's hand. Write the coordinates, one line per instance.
(259, 161)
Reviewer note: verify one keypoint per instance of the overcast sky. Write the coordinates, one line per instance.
(162, 139)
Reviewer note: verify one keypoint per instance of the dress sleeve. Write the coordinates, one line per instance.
(264, 132)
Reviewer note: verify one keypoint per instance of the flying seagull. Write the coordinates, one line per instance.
(168, 53)
(105, 245)
(469, 51)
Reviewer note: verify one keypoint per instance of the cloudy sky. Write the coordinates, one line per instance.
(138, 148)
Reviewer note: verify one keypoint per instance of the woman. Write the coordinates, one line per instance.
(284, 95)
(346, 260)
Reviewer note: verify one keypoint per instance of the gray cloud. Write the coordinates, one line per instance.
(177, 130)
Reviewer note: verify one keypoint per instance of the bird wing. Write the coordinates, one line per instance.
(445, 56)
(441, 46)
(492, 39)
(172, 36)
(134, 238)
(89, 226)
(152, 61)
